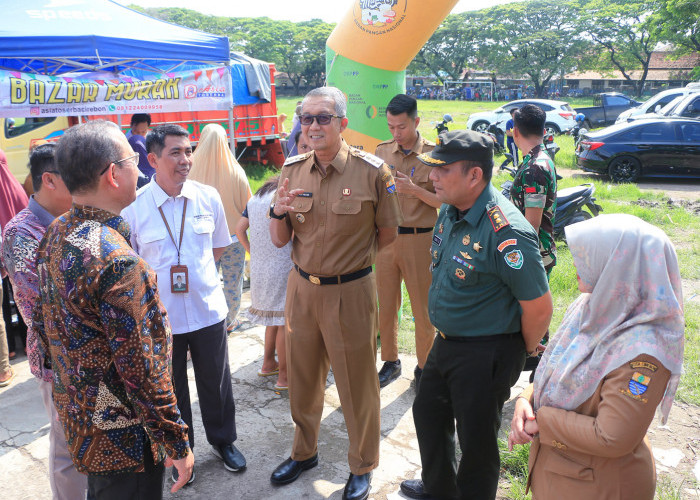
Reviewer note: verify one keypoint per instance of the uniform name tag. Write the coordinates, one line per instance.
(437, 240)
(305, 195)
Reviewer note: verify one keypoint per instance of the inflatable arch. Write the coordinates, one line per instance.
(367, 55)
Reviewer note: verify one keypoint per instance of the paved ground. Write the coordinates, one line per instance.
(265, 437)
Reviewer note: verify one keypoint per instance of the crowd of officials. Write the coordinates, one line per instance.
(119, 288)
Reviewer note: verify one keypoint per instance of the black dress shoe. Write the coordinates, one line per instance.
(413, 488)
(176, 475)
(390, 371)
(417, 373)
(289, 470)
(233, 459)
(357, 487)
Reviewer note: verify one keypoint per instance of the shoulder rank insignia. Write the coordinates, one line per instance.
(296, 159)
(498, 220)
(373, 160)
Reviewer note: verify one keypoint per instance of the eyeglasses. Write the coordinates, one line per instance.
(134, 158)
(322, 119)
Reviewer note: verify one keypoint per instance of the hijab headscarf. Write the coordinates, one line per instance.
(633, 306)
(213, 164)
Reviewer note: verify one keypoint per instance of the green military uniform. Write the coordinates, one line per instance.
(483, 263)
(535, 186)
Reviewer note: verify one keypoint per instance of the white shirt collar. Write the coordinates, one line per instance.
(160, 196)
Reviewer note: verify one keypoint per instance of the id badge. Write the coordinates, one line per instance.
(179, 280)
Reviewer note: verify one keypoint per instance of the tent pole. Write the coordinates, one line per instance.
(232, 138)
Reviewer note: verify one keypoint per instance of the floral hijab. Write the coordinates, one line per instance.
(633, 306)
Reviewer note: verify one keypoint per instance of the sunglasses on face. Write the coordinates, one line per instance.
(322, 119)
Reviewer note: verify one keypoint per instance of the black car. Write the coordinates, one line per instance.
(646, 148)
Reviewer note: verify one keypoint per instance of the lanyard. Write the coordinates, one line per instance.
(182, 229)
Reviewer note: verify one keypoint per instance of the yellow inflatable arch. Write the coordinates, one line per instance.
(367, 55)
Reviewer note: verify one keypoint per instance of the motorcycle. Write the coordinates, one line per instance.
(442, 126)
(570, 203)
(578, 130)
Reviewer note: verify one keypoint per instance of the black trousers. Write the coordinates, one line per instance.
(146, 485)
(467, 381)
(209, 349)
(12, 329)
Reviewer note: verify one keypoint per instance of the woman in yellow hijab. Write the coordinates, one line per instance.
(213, 164)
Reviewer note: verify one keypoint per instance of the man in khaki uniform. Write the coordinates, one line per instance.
(340, 205)
(408, 257)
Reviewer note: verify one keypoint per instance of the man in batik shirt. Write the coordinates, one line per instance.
(103, 329)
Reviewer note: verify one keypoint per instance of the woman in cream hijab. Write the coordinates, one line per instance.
(616, 356)
(213, 164)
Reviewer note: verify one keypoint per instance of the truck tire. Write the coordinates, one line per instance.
(480, 126)
(552, 128)
(625, 169)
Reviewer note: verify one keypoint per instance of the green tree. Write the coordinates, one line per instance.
(619, 28)
(678, 22)
(539, 39)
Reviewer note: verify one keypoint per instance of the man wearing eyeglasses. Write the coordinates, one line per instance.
(20, 243)
(103, 330)
(179, 227)
(340, 205)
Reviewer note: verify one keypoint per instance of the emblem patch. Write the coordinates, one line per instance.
(437, 240)
(390, 186)
(301, 218)
(460, 273)
(498, 220)
(643, 364)
(638, 384)
(514, 259)
(467, 238)
(477, 247)
(463, 262)
(346, 192)
(466, 255)
(506, 244)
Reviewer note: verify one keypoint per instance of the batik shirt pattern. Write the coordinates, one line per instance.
(107, 336)
(21, 239)
(535, 186)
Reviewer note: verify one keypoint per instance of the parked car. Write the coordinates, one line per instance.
(643, 148)
(607, 107)
(560, 116)
(681, 107)
(658, 101)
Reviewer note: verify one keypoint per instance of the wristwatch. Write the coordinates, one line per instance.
(273, 215)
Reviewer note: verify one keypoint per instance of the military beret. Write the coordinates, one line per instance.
(459, 145)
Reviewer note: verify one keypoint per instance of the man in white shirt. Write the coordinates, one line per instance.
(179, 227)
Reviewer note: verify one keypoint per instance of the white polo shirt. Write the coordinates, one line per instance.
(205, 229)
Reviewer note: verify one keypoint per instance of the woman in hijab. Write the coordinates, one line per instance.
(616, 356)
(213, 164)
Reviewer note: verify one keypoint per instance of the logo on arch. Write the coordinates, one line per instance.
(371, 111)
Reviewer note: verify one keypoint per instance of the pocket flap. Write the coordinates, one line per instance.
(347, 207)
(303, 204)
(151, 236)
(564, 466)
(203, 226)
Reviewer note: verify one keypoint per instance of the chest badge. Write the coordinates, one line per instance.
(435, 254)
(460, 273)
(467, 238)
(466, 255)
(441, 228)
(301, 218)
(346, 192)
(477, 247)
(437, 240)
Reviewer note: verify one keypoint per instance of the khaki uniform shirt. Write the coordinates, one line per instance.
(600, 450)
(416, 213)
(335, 220)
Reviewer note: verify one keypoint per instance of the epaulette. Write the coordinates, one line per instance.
(375, 161)
(385, 143)
(498, 220)
(297, 158)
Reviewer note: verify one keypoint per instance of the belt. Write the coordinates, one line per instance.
(414, 230)
(482, 338)
(333, 280)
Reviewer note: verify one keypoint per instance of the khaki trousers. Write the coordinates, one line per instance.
(334, 325)
(407, 258)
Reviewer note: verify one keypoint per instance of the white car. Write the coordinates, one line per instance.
(560, 115)
(658, 101)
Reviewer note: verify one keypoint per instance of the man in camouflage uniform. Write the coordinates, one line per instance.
(534, 189)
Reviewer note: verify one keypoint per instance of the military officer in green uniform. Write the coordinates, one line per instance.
(490, 302)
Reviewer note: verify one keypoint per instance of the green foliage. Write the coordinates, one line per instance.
(678, 22)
